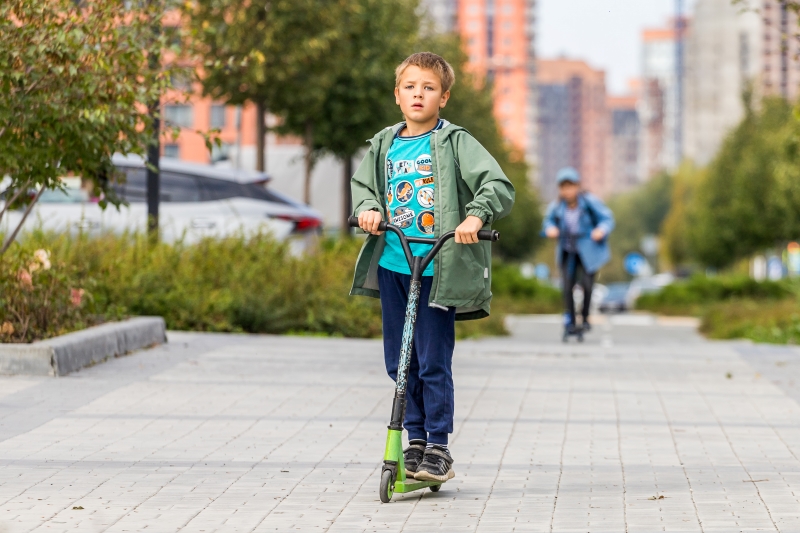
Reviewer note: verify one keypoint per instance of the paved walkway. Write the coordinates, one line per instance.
(644, 428)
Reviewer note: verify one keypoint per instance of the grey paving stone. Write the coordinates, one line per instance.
(641, 432)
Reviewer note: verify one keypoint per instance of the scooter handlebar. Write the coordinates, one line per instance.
(483, 235)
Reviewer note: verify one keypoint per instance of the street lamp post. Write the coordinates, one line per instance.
(154, 147)
(679, 59)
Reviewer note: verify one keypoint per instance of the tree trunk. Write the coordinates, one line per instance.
(261, 137)
(10, 201)
(14, 233)
(309, 142)
(347, 199)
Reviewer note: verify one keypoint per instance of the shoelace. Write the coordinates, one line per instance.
(437, 460)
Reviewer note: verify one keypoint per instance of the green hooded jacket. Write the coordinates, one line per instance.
(468, 182)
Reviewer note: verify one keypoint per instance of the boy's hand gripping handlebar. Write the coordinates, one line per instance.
(483, 235)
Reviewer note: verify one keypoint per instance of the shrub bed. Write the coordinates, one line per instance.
(242, 284)
(733, 307)
(695, 295)
(760, 321)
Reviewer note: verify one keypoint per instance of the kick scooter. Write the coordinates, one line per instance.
(393, 474)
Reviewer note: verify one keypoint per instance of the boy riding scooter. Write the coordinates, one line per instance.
(581, 222)
(428, 180)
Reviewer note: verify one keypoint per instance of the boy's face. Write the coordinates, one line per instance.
(568, 191)
(420, 95)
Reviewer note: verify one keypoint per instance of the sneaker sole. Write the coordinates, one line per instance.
(410, 474)
(424, 475)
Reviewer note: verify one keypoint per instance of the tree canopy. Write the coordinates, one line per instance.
(74, 89)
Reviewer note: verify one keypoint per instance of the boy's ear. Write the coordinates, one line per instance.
(397, 95)
(445, 98)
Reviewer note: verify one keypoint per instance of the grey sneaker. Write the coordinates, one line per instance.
(437, 465)
(412, 456)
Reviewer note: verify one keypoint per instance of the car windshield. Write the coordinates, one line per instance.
(66, 196)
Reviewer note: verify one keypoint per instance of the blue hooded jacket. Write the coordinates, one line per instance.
(593, 254)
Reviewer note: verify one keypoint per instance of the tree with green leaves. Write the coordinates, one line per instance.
(75, 86)
(360, 102)
(638, 213)
(274, 53)
(749, 199)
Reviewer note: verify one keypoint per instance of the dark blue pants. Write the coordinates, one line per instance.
(430, 398)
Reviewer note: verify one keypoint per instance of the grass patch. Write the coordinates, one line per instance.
(775, 322)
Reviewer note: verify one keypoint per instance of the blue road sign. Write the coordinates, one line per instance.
(635, 263)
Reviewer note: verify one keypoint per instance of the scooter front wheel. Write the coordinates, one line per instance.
(387, 489)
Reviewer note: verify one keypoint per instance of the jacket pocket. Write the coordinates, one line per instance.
(463, 270)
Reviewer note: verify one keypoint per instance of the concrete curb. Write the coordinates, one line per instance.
(64, 354)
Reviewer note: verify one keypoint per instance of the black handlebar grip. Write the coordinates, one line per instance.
(353, 222)
(488, 235)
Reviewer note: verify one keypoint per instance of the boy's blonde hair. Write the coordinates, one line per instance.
(428, 61)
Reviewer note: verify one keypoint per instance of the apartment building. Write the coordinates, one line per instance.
(661, 101)
(623, 143)
(731, 49)
(500, 39)
(574, 124)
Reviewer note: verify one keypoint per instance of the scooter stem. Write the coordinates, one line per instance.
(407, 342)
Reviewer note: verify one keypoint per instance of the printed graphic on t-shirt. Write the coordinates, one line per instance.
(410, 199)
(425, 222)
(423, 165)
(425, 197)
(404, 191)
(403, 167)
(403, 217)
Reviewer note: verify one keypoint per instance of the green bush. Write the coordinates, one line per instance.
(511, 288)
(240, 284)
(757, 320)
(693, 296)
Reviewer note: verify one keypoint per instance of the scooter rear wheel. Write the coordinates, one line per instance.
(435, 488)
(387, 490)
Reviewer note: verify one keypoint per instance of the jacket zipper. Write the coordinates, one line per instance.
(437, 216)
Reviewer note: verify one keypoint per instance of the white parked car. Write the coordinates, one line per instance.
(647, 285)
(196, 201)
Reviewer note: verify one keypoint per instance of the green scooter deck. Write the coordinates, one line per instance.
(394, 453)
(402, 487)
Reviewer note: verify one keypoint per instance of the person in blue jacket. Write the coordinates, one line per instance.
(581, 222)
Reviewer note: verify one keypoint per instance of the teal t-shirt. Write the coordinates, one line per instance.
(409, 198)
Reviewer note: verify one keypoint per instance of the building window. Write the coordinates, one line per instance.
(217, 116)
(220, 153)
(172, 150)
(180, 81)
(179, 115)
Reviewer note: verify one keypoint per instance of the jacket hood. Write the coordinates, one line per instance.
(447, 129)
